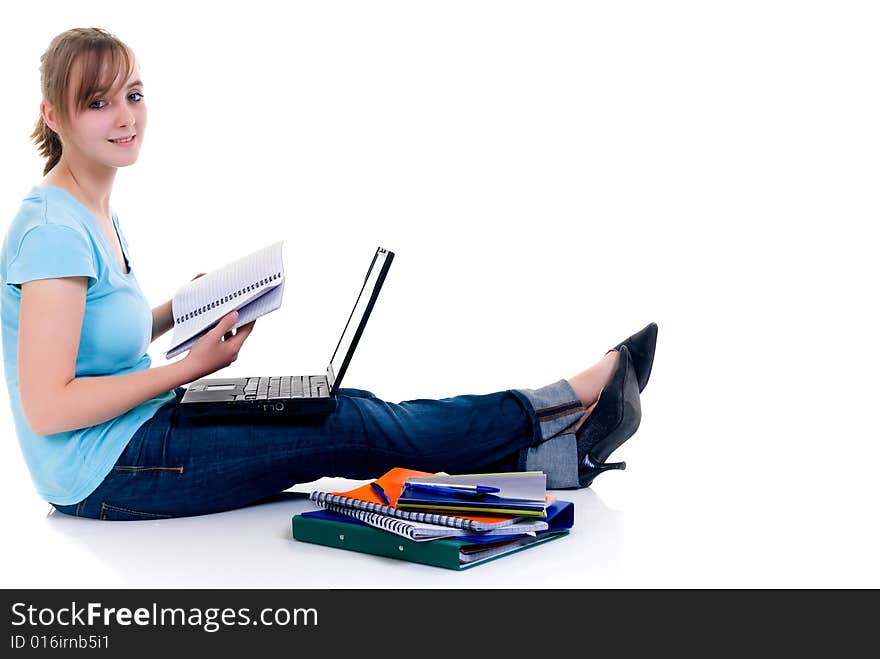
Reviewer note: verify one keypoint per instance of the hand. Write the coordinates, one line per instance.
(218, 348)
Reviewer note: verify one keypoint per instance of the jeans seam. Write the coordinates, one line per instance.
(105, 507)
(566, 412)
(568, 405)
(136, 468)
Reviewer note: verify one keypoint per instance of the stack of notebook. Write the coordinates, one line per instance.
(454, 522)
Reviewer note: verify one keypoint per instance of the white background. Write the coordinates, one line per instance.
(552, 177)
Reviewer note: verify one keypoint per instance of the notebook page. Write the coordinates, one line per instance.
(199, 304)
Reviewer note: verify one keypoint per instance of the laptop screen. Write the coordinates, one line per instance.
(358, 318)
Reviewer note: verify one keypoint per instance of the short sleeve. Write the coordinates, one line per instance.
(47, 251)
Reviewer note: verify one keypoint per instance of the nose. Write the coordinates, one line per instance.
(125, 117)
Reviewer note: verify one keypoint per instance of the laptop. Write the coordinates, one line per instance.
(290, 395)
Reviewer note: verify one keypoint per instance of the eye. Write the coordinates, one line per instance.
(136, 94)
(92, 105)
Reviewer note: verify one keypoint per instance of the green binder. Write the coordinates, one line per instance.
(452, 553)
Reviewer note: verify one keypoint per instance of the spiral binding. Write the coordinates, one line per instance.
(216, 303)
(392, 524)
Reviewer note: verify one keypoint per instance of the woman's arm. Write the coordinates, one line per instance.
(162, 320)
(53, 399)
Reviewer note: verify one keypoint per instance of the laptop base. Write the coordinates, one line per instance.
(244, 398)
(268, 411)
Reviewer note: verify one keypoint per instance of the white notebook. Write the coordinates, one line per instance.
(422, 531)
(252, 285)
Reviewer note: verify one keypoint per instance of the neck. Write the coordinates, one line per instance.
(90, 183)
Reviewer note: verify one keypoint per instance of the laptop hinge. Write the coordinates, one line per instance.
(331, 379)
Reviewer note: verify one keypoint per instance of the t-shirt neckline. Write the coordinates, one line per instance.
(103, 237)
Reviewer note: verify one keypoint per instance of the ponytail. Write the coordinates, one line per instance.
(48, 143)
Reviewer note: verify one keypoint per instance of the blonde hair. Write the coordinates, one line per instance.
(100, 54)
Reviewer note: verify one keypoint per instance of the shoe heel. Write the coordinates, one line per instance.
(590, 471)
(629, 418)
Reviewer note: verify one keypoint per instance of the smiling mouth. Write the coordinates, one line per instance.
(123, 140)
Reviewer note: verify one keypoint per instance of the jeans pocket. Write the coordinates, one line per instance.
(119, 514)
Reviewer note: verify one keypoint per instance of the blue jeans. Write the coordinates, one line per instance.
(175, 466)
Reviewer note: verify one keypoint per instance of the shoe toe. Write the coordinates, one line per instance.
(641, 346)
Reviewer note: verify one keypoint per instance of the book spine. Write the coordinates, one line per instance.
(324, 498)
(369, 540)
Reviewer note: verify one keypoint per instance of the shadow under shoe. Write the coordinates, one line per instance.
(614, 419)
(641, 346)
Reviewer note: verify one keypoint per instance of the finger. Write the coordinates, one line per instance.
(243, 332)
(240, 335)
(249, 326)
(226, 323)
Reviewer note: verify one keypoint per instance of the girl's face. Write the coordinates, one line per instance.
(111, 129)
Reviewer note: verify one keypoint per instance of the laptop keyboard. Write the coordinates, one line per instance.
(289, 386)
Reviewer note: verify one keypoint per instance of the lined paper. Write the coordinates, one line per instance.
(252, 285)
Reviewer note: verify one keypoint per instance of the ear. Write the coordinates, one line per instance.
(47, 111)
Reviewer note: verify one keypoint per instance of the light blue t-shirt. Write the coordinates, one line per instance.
(53, 235)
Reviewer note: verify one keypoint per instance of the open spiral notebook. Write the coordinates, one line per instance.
(252, 285)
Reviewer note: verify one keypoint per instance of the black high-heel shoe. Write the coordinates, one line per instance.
(641, 346)
(615, 419)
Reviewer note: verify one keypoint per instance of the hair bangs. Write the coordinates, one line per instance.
(103, 68)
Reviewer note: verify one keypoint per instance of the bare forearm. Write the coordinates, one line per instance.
(163, 320)
(88, 401)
